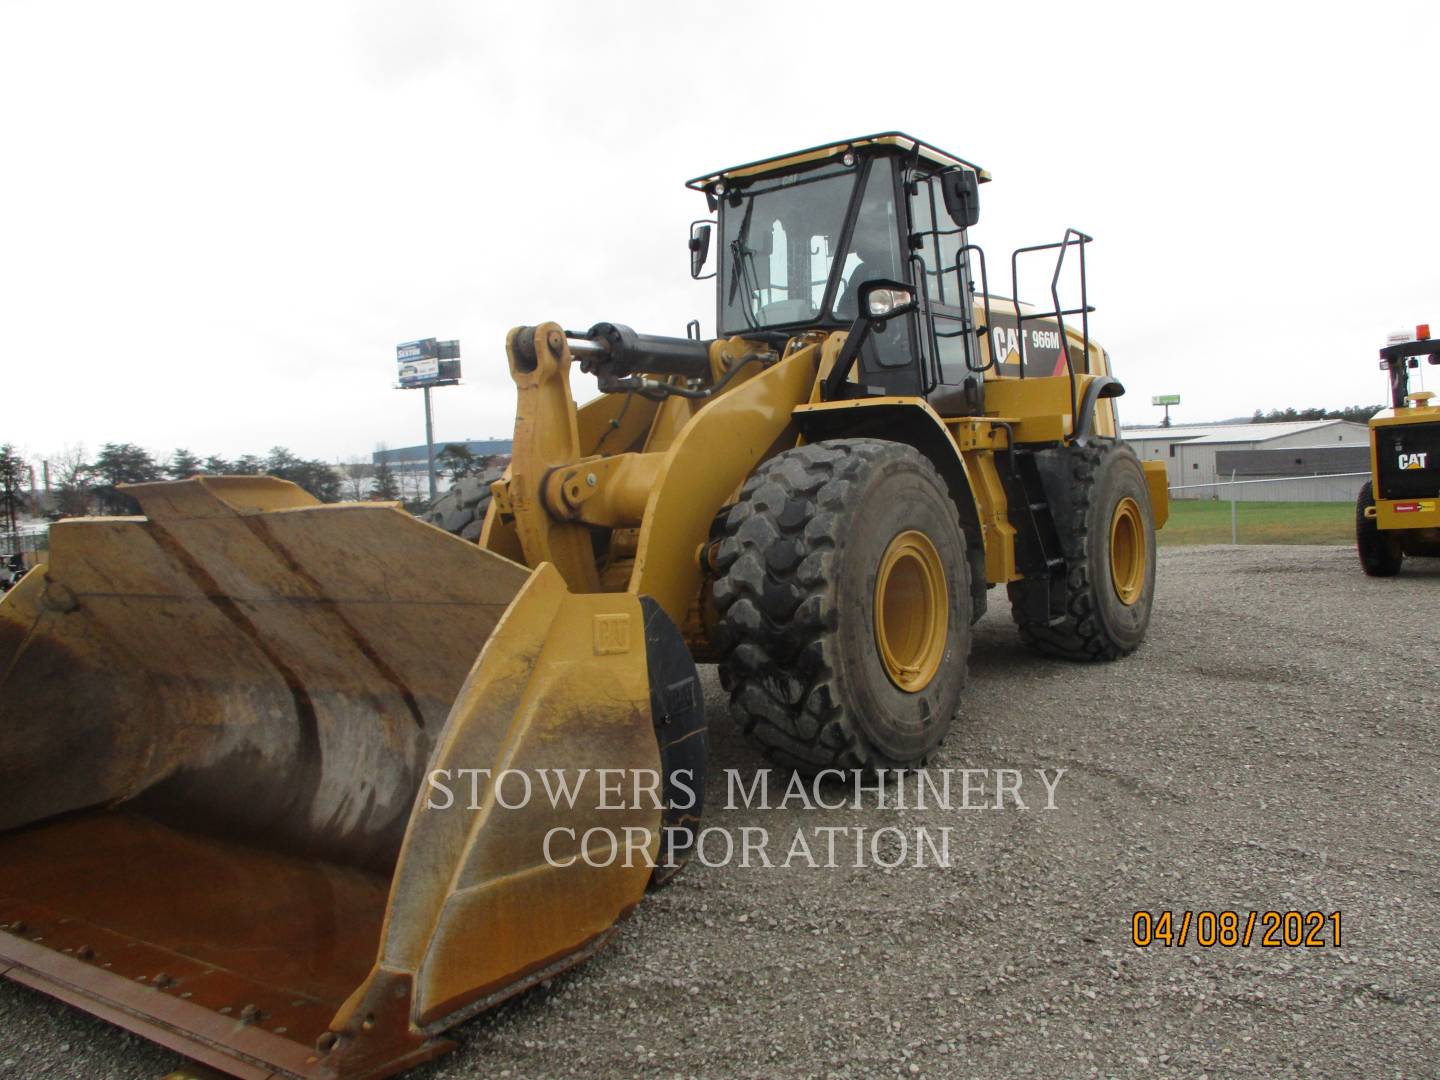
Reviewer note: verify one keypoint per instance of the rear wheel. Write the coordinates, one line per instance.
(461, 510)
(1380, 553)
(1109, 541)
(844, 606)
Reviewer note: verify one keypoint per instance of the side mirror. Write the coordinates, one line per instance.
(961, 188)
(881, 300)
(699, 247)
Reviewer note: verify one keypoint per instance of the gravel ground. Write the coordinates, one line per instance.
(1270, 747)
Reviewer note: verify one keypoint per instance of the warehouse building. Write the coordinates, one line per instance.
(413, 459)
(1200, 458)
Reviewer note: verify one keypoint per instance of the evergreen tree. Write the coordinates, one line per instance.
(182, 464)
(122, 463)
(386, 487)
(12, 488)
(456, 460)
(1356, 414)
(316, 477)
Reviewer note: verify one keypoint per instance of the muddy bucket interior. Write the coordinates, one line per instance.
(260, 943)
(214, 724)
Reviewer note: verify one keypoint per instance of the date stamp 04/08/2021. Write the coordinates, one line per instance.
(1231, 929)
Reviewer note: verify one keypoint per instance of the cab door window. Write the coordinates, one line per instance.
(936, 243)
(872, 251)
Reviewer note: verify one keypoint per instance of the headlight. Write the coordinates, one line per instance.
(883, 301)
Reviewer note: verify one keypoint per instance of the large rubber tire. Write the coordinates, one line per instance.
(1099, 624)
(1380, 554)
(461, 510)
(796, 593)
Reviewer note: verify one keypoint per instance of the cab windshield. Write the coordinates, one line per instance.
(778, 246)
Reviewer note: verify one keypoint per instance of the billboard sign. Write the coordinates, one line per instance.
(1165, 399)
(428, 362)
(416, 372)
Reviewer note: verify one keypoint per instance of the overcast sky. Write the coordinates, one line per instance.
(220, 219)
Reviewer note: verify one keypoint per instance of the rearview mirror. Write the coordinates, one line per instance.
(699, 247)
(961, 188)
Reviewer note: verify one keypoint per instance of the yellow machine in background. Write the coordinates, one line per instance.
(235, 732)
(1398, 509)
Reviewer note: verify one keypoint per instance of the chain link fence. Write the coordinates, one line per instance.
(30, 541)
(1318, 488)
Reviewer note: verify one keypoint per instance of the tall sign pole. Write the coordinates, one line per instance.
(1166, 400)
(425, 364)
(430, 445)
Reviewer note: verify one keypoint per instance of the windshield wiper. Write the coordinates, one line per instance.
(742, 267)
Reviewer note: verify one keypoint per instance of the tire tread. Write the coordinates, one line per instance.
(1080, 634)
(1380, 555)
(775, 596)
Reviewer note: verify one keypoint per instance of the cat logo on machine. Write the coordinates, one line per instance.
(1042, 347)
(1413, 461)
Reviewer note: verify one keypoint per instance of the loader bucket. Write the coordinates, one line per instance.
(235, 811)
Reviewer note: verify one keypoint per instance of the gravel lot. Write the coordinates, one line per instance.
(1271, 747)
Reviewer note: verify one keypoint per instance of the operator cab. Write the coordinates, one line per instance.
(800, 234)
(1400, 356)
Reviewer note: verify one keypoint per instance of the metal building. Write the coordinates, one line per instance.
(412, 459)
(1207, 454)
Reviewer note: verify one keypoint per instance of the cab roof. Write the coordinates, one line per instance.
(908, 143)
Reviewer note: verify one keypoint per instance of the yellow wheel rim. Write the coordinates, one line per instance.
(912, 611)
(1127, 551)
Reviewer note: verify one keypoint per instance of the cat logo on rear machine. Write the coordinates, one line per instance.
(1413, 461)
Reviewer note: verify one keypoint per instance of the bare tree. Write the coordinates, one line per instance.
(74, 481)
(357, 473)
(409, 485)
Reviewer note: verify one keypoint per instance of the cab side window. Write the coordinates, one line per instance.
(939, 244)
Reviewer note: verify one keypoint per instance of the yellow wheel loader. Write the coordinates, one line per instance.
(293, 788)
(1398, 510)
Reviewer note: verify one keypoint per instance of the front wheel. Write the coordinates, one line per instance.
(1380, 554)
(1108, 536)
(844, 606)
